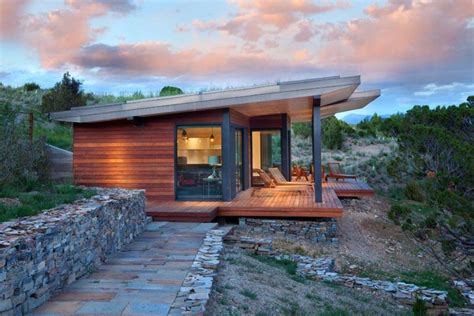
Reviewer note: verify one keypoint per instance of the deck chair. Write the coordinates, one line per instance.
(270, 183)
(323, 174)
(299, 173)
(281, 180)
(335, 171)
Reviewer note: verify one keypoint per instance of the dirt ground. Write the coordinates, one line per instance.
(369, 242)
(247, 286)
(369, 245)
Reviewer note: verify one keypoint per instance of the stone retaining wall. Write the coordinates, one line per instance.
(322, 269)
(322, 230)
(41, 254)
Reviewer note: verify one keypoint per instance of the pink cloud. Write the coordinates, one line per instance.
(254, 19)
(159, 59)
(306, 31)
(58, 35)
(403, 35)
(10, 12)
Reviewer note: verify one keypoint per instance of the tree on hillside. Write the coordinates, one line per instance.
(438, 145)
(65, 94)
(31, 86)
(334, 132)
(169, 90)
(302, 129)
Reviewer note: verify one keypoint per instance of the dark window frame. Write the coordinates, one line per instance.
(175, 167)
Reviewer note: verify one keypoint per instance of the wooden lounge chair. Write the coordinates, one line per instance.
(335, 171)
(299, 172)
(281, 180)
(270, 183)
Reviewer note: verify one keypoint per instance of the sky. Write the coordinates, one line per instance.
(415, 51)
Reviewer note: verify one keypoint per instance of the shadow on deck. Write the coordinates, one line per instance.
(256, 202)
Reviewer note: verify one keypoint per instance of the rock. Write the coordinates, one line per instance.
(41, 254)
(10, 202)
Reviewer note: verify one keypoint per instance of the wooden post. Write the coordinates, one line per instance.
(316, 127)
(30, 122)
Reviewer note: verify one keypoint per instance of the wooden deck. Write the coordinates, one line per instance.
(350, 188)
(257, 202)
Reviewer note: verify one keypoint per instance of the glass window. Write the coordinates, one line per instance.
(199, 163)
(266, 151)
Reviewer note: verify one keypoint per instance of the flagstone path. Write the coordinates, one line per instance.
(142, 279)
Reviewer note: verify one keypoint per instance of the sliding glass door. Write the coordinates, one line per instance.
(199, 163)
(266, 152)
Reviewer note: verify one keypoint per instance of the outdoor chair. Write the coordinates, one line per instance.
(299, 173)
(336, 172)
(270, 183)
(281, 180)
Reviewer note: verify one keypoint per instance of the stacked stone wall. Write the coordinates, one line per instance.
(322, 230)
(41, 254)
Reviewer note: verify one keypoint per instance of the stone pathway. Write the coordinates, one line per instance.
(143, 279)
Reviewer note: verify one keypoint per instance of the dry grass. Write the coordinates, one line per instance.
(247, 285)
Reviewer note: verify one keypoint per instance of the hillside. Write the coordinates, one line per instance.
(422, 164)
(21, 102)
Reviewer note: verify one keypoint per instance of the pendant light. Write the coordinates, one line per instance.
(184, 135)
(212, 136)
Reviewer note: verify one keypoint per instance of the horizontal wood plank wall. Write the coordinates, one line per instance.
(266, 121)
(120, 154)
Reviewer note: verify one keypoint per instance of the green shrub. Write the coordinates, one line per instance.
(414, 191)
(332, 133)
(248, 293)
(419, 308)
(169, 90)
(65, 94)
(31, 86)
(398, 212)
(302, 129)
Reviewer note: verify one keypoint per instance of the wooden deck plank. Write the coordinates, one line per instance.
(261, 202)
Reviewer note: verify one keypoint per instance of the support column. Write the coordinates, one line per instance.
(227, 157)
(285, 148)
(316, 126)
(246, 157)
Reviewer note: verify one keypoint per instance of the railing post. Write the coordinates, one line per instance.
(316, 127)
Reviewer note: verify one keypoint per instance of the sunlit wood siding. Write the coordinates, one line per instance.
(120, 154)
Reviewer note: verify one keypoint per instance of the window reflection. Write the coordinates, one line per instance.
(199, 163)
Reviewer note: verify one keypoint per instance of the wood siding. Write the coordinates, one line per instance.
(239, 119)
(266, 122)
(120, 154)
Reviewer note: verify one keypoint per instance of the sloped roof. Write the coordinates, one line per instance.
(337, 94)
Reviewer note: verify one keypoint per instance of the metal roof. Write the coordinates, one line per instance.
(293, 97)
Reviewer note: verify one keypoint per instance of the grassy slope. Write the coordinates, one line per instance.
(253, 285)
(39, 197)
(34, 197)
(56, 134)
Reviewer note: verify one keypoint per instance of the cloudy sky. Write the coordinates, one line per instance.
(417, 52)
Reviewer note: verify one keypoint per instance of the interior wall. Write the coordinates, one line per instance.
(256, 153)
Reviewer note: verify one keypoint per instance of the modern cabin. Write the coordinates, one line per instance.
(194, 154)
